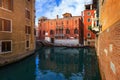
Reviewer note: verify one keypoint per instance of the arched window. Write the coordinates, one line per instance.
(43, 32)
(75, 21)
(75, 31)
(67, 22)
(67, 31)
(51, 32)
(40, 33)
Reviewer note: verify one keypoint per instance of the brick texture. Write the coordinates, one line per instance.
(108, 51)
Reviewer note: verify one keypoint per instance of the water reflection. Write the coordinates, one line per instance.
(60, 63)
(56, 63)
(23, 70)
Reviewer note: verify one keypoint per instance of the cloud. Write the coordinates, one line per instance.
(51, 8)
(42, 7)
(72, 6)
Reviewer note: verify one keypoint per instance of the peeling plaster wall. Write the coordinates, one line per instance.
(108, 51)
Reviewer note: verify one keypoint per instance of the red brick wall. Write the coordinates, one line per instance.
(108, 47)
(108, 51)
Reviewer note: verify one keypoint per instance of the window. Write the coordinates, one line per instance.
(5, 25)
(102, 2)
(40, 33)
(51, 32)
(51, 23)
(88, 35)
(0, 3)
(5, 46)
(27, 14)
(75, 31)
(35, 31)
(27, 29)
(61, 30)
(88, 42)
(56, 23)
(88, 13)
(67, 22)
(67, 31)
(88, 19)
(0, 24)
(43, 32)
(7, 4)
(27, 2)
(62, 22)
(27, 44)
(75, 21)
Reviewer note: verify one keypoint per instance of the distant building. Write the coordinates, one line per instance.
(17, 21)
(37, 31)
(87, 15)
(68, 27)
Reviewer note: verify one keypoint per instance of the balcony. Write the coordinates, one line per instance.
(95, 27)
(59, 34)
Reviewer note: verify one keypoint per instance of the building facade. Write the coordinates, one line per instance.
(17, 22)
(68, 27)
(88, 14)
(108, 41)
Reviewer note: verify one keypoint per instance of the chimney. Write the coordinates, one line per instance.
(57, 16)
(91, 7)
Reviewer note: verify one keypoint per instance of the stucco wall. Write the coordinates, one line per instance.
(19, 21)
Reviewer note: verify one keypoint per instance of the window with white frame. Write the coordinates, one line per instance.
(75, 31)
(0, 3)
(27, 30)
(88, 19)
(27, 44)
(88, 13)
(7, 4)
(5, 25)
(27, 14)
(88, 35)
(5, 46)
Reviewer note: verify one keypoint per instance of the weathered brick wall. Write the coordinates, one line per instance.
(108, 51)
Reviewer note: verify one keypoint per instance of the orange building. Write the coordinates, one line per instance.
(16, 30)
(68, 27)
(87, 14)
(108, 40)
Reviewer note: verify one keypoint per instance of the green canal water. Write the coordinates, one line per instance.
(55, 63)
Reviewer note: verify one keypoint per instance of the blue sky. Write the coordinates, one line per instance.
(51, 8)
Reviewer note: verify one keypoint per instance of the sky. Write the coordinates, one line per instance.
(51, 8)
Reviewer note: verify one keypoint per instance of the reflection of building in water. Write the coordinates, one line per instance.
(62, 62)
(47, 53)
(90, 65)
(68, 61)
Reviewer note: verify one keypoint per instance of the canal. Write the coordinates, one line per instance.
(55, 63)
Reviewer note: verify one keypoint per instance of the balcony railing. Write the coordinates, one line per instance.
(95, 24)
(59, 34)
